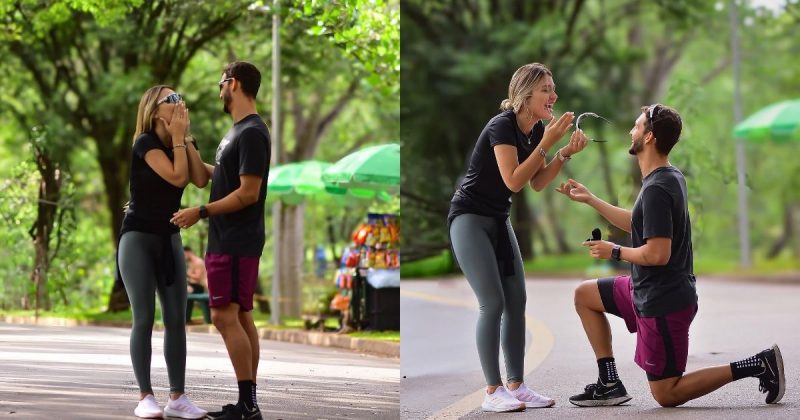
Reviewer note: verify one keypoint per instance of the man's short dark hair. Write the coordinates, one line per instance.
(247, 74)
(665, 123)
(186, 248)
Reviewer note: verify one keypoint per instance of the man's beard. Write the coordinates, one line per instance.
(637, 146)
(226, 102)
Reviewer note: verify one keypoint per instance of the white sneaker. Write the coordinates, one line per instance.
(531, 398)
(184, 408)
(148, 408)
(501, 401)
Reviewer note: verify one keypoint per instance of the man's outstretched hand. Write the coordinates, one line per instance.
(575, 191)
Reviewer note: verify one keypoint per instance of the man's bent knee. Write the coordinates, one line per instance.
(667, 400)
(664, 395)
(584, 292)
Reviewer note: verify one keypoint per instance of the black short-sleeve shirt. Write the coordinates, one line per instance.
(661, 210)
(245, 150)
(483, 191)
(153, 199)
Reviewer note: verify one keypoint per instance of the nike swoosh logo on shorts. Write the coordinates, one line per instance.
(217, 297)
(649, 364)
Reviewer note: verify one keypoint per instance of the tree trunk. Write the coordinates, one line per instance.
(114, 159)
(523, 226)
(291, 245)
(615, 234)
(562, 246)
(47, 208)
(538, 231)
(788, 233)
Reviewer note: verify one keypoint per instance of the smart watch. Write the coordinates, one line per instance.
(203, 212)
(615, 252)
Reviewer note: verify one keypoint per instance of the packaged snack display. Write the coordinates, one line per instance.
(375, 246)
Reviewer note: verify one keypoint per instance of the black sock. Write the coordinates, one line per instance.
(247, 394)
(746, 368)
(608, 370)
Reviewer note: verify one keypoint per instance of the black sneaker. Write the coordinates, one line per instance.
(772, 380)
(598, 394)
(237, 412)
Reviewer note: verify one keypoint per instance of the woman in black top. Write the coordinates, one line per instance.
(510, 153)
(150, 250)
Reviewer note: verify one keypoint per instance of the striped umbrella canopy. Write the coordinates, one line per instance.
(779, 122)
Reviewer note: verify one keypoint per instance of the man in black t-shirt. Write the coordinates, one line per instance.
(658, 301)
(236, 230)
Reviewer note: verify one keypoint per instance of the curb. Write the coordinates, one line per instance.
(375, 347)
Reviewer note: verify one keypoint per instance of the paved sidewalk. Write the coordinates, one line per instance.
(85, 373)
(441, 378)
(342, 341)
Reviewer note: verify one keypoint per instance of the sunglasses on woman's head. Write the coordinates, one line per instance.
(172, 98)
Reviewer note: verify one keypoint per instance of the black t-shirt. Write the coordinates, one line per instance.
(483, 191)
(661, 210)
(153, 199)
(245, 150)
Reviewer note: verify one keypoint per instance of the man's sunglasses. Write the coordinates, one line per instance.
(222, 83)
(172, 98)
(652, 112)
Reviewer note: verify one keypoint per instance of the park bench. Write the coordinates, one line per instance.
(202, 300)
(261, 301)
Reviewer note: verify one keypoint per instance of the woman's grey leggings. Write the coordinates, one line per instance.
(138, 254)
(474, 238)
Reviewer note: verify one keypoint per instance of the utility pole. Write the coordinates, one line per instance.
(741, 159)
(275, 316)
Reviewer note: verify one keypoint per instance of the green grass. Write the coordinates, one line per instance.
(581, 264)
(569, 263)
(81, 316)
(428, 267)
(393, 336)
(730, 266)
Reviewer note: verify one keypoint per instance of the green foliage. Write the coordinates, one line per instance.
(606, 57)
(428, 267)
(91, 60)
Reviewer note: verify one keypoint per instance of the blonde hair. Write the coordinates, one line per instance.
(147, 108)
(521, 86)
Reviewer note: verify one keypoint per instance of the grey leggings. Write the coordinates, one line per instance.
(138, 255)
(474, 238)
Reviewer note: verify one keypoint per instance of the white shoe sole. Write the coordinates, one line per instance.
(601, 403)
(168, 412)
(500, 410)
(539, 405)
(148, 415)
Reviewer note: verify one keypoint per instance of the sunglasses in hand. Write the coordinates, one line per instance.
(590, 114)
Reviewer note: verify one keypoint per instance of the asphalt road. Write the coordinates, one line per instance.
(441, 376)
(85, 373)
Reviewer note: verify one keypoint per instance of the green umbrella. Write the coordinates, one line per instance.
(373, 168)
(778, 122)
(293, 182)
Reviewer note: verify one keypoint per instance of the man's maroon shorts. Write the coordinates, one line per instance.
(662, 342)
(231, 279)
